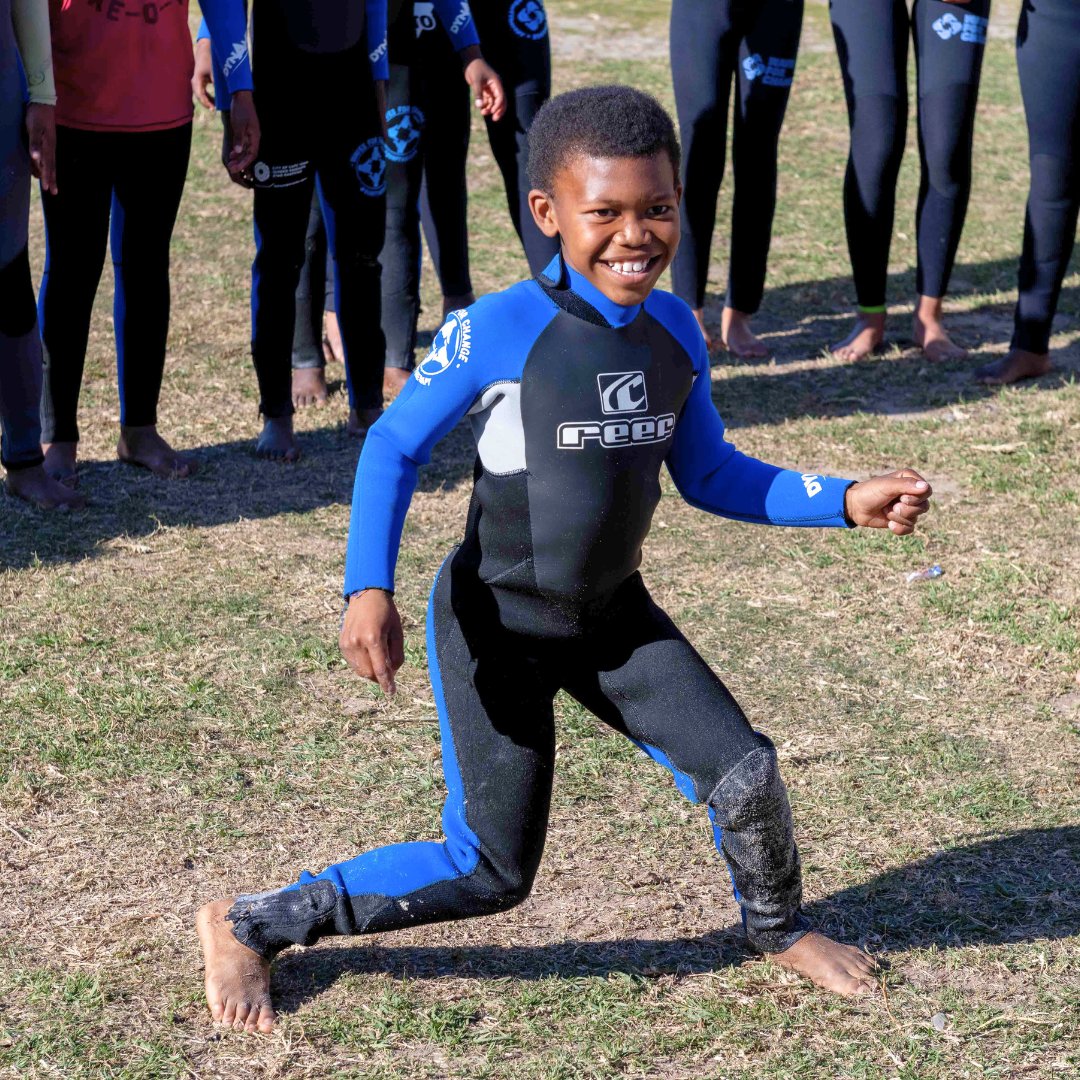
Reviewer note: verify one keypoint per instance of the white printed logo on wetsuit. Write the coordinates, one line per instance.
(971, 28)
(369, 162)
(424, 14)
(812, 483)
(451, 347)
(404, 125)
(620, 392)
(235, 58)
(774, 72)
(528, 19)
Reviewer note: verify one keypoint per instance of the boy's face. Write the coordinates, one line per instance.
(618, 219)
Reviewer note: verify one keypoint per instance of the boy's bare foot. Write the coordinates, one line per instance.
(331, 342)
(237, 979)
(929, 332)
(843, 969)
(60, 462)
(276, 441)
(360, 421)
(1017, 364)
(737, 337)
(866, 337)
(309, 387)
(36, 486)
(452, 303)
(143, 446)
(699, 314)
(394, 380)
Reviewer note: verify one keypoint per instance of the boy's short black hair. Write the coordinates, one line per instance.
(598, 121)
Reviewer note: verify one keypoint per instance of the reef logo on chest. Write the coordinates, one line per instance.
(451, 347)
(620, 392)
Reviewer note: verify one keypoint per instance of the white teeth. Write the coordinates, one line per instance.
(630, 267)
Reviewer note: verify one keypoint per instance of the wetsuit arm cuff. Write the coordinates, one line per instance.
(30, 20)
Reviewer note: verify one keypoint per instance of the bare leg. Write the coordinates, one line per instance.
(309, 387)
(929, 332)
(237, 979)
(842, 969)
(738, 338)
(36, 486)
(143, 446)
(394, 380)
(452, 303)
(1015, 365)
(360, 420)
(699, 314)
(332, 347)
(276, 441)
(60, 461)
(865, 338)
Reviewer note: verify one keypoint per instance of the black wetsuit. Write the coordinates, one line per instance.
(754, 42)
(872, 43)
(1048, 56)
(576, 404)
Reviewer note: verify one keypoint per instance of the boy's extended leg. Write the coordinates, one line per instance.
(646, 680)
(498, 743)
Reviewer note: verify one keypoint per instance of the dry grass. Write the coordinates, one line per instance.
(175, 723)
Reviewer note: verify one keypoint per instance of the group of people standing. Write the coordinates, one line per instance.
(112, 107)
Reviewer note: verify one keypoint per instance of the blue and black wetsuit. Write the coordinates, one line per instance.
(1048, 56)
(712, 43)
(576, 404)
(336, 50)
(872, 43)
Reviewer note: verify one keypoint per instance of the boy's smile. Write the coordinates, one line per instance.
(617, 218)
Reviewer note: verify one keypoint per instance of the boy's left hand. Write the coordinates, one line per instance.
(894, 501)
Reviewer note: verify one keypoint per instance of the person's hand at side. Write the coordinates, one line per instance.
(243, 135)
(203, 78)
(41, 132)
(371, 638)
(488, 93)
(894, 501)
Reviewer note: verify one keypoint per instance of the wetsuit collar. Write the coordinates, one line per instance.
(564, 276)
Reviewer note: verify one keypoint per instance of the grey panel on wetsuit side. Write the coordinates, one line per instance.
(496, 425)
(323, 26)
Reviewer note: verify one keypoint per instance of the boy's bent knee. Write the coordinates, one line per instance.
(752, 792)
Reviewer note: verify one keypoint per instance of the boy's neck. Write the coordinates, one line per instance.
(615, 314)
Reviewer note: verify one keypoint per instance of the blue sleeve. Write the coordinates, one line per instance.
(712, 475)
(225, 23)
(457, 20)
(376, 39)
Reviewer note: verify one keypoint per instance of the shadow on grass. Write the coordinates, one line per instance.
(1018, 888)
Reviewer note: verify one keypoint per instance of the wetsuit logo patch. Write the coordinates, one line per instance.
(404, 125)
(369, 162)
(451, 347)
(528, 19)
(622, 392)
(235, 58)
(424, 14)
(775, 72)
(972, 28)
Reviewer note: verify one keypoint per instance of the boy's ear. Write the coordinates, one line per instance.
(543, 211)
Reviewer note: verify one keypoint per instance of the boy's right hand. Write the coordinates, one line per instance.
(203, 77)
(371, 638)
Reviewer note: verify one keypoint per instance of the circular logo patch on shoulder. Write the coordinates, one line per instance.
(451, 347)
(369, 162)
(404, 126)
(528, 19)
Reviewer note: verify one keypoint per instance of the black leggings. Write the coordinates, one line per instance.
(514, 37)
(872, 43)
(1048, 56)
(712, 42)
(494, 693)
(123, 189)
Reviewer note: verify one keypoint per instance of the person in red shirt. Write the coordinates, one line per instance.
(123, 136)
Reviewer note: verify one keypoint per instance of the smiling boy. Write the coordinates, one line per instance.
(579, 386)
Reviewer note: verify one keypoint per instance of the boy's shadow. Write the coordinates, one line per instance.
(1017, 888)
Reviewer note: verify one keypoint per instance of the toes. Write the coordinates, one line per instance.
(263, 1016)
(228, 1014)
(243, 1009)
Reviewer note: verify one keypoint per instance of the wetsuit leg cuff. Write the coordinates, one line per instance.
(780, 939)
(24, 463)
(271, 921)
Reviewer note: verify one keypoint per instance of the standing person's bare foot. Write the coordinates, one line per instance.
(61, 462)
(331, 342)
(452, 303)
(36, 486)
(843, 969)
(360, 420)
(309, 387)
(237, 979)
(1015, 365)
(929, 332)
(699, 314)
(394, 381)
(866, 338)
(144, 447)
(276, 441)
(737, 337)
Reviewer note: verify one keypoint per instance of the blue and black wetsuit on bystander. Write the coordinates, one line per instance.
(576, 404)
